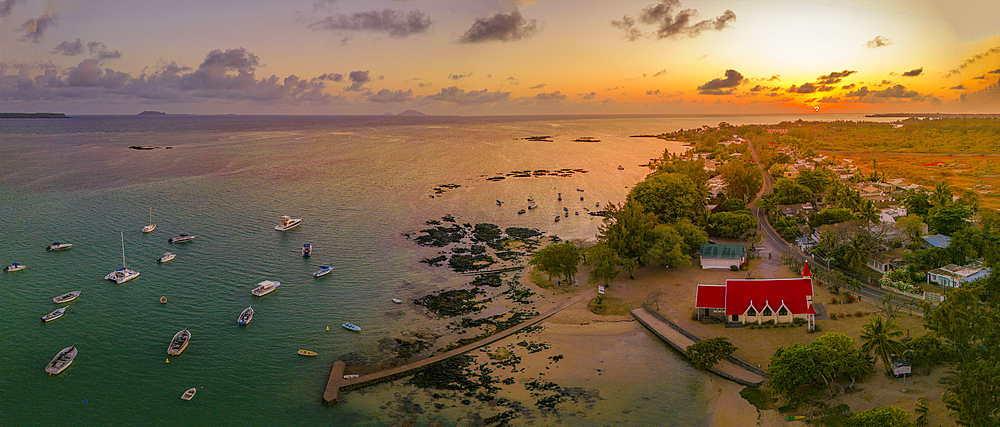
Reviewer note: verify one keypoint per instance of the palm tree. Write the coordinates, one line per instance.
(856, 252)
(941, 195)
(868, 212)
(880, 335)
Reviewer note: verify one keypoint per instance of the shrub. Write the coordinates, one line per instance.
(859, 314)
(833, 300)
(833, 316)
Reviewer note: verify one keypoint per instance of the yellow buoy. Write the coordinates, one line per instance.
(328, 328)
(168, 360)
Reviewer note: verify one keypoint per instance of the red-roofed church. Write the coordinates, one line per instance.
(759, 300)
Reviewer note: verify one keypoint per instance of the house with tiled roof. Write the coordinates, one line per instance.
(953, 276)
(758, 301)
(722, 256)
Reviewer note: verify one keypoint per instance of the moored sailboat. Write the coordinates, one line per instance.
(123, 274)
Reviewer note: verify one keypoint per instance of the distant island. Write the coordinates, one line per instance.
(937, 115)
(411, 113)
(32, 116)
(152, 113)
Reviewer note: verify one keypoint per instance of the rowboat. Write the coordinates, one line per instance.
(397, 300)
(795, 417)
(189, 393)
(179, 343)
(307, 353)
(352, 327)
(67, 297)
(246, 316)
(55, 314)
(62, 360)
(323, 270)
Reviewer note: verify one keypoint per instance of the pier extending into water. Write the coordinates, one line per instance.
(338, 384)
(730, 368)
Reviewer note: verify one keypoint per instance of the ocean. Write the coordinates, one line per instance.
(360, 184)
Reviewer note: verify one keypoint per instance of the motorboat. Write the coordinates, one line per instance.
(265, 287)
(352, 327)
(189, 393)
(55, 314)
(557, 218)
(67, 297)
(323, 270)
(149, 228)
(58, 246)
(246, 316)
(167, 257)
(532, 205)
(179, 342)
(123, 274)
(397, 300)
(520, 211)
(14, 267)
(182, 238)
(287, 223)
(307, 249)
(62, 360)
(307, 353)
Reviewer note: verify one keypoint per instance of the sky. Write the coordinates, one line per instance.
(499, 57)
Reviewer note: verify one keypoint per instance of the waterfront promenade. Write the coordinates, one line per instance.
(730, 368)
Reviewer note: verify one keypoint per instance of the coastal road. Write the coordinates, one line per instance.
(775, 241)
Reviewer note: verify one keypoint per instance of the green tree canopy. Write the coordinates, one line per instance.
(628, 231)
(880, 337)
(830, 216)
(706, 353)
(948, 219)
(730, 205)
(800, 370)
(559, 259)
(788, 192)
(604, 263)
(731, 225)
(668, 248)
(890, 416)
(743, 179)
(816, 180)
(670, 196)
(916, 202)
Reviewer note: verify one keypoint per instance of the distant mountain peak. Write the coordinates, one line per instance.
(152, 113)
(411, 113)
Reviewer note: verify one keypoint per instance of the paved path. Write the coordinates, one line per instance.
(337, 383)
(680, 342)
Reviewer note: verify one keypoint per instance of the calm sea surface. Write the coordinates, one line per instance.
(359, 183)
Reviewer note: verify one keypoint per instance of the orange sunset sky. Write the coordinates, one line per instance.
(485, 57)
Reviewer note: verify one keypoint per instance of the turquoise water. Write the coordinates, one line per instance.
(359, 183)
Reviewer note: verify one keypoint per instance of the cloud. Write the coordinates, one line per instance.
(461, 97)
(850, 86)
(34, 29)
(554, 96)
(959, 87)
(660, 73)
(757, 88)
(391, 96)
(358, 80)
(389, 21)
(538, 86)
(982, 77)
(914, 73)
(987, 98)
(653, 92)
(805, 88)
(68, 48)
(500, 28)
(830, 99)
(6, 6)
(101, 52)
(590, 95)
(459, 76)
(996, 71)
(878, 41)
(834, 77)
(724, 86)
(667, 25)
(896, 92)
(332, 77)
(972, 60)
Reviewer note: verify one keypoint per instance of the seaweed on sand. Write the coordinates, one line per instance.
(463, 263)
(441, 236)
(434, 262)
(486, 233)
(452, 303)
(492, 280)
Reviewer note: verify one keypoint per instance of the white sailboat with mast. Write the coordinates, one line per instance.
(123, 274)
(151, 226)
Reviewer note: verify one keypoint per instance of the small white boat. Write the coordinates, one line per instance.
(163, 300)
(246, 316)
(149, 228)
(67, 297)
(287, 223)
(59, 246)
(307, 249)
(533, 205)
(55, 314)
(167, 256)
(62, 360)
(350, 376)
(182, 238)
(265, 287)
(123, 274)
(14, 267)
(189, 393)
(323, 270)
(352, 327)
(179, 342)
(307, 353)
(397, 300)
